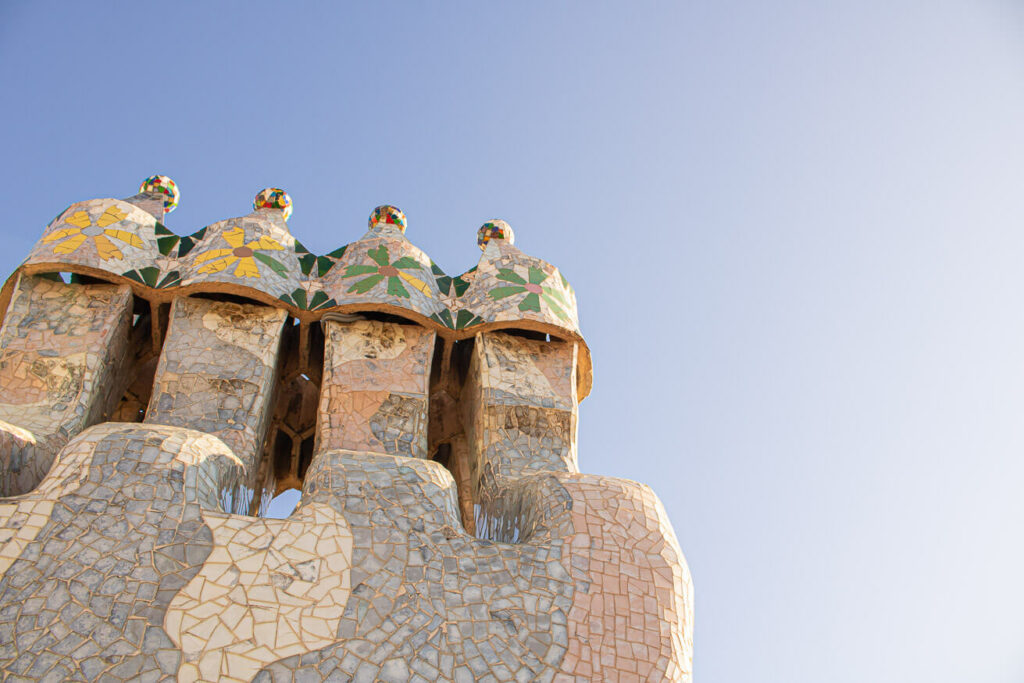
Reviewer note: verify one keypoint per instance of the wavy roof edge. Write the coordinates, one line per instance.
(124, 241)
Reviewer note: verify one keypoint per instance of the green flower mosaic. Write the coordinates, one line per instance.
(534, 289)
(394, 273)
(381, 276)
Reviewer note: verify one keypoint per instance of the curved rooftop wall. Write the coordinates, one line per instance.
(256, 257)
(510, 286)
(384, 271)
(250, 256)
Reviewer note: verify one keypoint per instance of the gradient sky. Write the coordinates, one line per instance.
(794, 228)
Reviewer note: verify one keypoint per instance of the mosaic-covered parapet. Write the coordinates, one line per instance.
(509, 286)
(569, 578)
(256, 257)
(384, 271)
(634, 619)
(375, 389)
(444, 532)
(95, 554)
(252, 256)
(112, 239)
(216, 373)
(509, 289)
(64, 357)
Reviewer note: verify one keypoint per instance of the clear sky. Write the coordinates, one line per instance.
(795, 230)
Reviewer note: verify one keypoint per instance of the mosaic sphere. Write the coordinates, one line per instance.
(161, 184)
(386, 214)
(494, 230)
(273, 198)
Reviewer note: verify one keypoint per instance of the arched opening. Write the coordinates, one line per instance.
(288, 447)
(149, 328)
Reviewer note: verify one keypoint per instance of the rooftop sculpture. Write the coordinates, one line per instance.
(156, 398)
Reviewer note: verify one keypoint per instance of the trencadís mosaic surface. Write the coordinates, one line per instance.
(155, 402)
(255, 256)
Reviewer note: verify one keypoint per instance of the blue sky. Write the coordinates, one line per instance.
(795, 230)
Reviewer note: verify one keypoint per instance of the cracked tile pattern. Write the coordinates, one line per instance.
(269, 589)
(216, 372)
(508, 285)
(561, 573)
(375, 388)
(103, 236)
(128, 553)
(384, 268)
(86, 596)
(632, 617)
(255, 256)
(246, 255)
(429, 602)
(63, 350)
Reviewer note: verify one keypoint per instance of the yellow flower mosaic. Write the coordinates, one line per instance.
(83, 227)
(245, 254)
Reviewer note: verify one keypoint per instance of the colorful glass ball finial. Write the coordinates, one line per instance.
(494, 230)
(273, 198)
(388, 215)
(161, 184)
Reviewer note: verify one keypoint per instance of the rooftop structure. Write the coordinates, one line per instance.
(159, 393)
